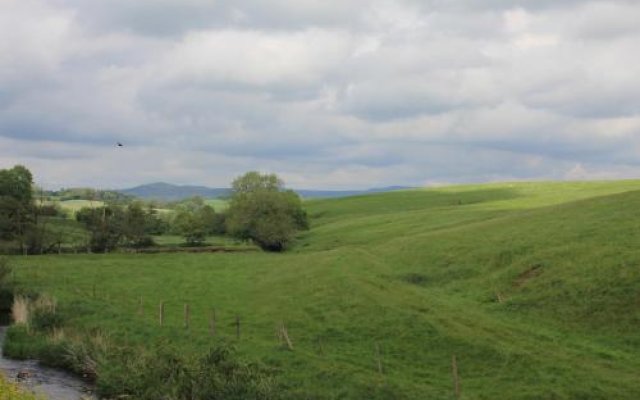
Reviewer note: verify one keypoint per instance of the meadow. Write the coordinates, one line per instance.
(532, 286)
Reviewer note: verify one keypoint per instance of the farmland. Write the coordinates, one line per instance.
(532, 286)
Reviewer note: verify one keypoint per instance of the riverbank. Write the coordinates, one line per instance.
(45, 383)
(11, 391)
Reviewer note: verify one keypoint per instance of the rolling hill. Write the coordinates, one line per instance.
(533, 287)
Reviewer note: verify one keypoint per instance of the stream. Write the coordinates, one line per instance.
(51, 384)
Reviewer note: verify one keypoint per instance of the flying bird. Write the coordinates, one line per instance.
(119, 144)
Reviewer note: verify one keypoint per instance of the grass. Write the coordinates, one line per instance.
(217, 204)
(533, 286)
(73, 206)
(11, 391)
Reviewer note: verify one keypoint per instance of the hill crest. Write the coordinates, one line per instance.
(170, 192)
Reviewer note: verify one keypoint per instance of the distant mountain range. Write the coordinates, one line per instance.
(169, 192)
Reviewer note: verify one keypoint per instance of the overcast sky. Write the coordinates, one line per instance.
(326, 93)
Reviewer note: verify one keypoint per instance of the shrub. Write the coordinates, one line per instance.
(217, 375)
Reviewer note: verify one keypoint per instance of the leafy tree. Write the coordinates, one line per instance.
(135, 224)
(194, 219)
(16, 204)
(107, 226)
(253, 182)
(154, 224)
(218, 224)
(262, 211)
(193, 229)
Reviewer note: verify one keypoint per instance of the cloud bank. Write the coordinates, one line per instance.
(329, 94)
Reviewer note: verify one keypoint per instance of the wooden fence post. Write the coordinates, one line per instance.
(237, 326)
(212, 322)
(320, 349)
(379, 359)
(187, 316)
(456, 378)
(161, 316)
(284, 334)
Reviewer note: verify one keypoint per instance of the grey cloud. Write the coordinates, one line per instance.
(174, 17)
(326, 92)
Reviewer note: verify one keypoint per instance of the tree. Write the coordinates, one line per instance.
(106, 226)
(261, 210)
(135, 227)
(16, 204)
(253, 182)
(187, 224)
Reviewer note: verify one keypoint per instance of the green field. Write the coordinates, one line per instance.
(76, 205)
(217, 204)
(534, 287)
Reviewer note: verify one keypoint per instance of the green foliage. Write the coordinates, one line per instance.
(187, 224)
(254, 181)
(112, 226)
(156, 371)
(16, 203)
(261, 211)
(195, 220)
(107, 226)
(154, 224)
(139, 224)
(24, 223)
(45, 320)
(89, 194)
(216, 375)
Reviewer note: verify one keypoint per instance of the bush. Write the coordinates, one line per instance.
(217, 375)
(45, 320)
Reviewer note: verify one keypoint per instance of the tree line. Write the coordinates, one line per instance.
(261, 210)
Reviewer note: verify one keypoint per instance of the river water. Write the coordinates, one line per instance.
(50, 383)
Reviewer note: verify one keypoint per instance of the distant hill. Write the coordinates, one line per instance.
(169, 192)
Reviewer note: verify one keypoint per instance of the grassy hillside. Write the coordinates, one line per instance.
(533, 286)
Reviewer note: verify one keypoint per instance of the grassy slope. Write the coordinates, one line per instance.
(419, 273)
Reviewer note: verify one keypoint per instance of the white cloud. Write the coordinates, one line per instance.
(327, 93)
(256, 58)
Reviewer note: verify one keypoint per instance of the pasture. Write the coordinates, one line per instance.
(532, 286)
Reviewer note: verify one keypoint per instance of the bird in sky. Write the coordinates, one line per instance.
(119, 144)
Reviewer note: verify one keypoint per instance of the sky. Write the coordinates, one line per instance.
(328, 94)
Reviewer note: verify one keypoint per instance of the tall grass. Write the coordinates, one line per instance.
(20, 310)
(11, 391)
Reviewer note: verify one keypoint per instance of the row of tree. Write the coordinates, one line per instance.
(260, 210)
